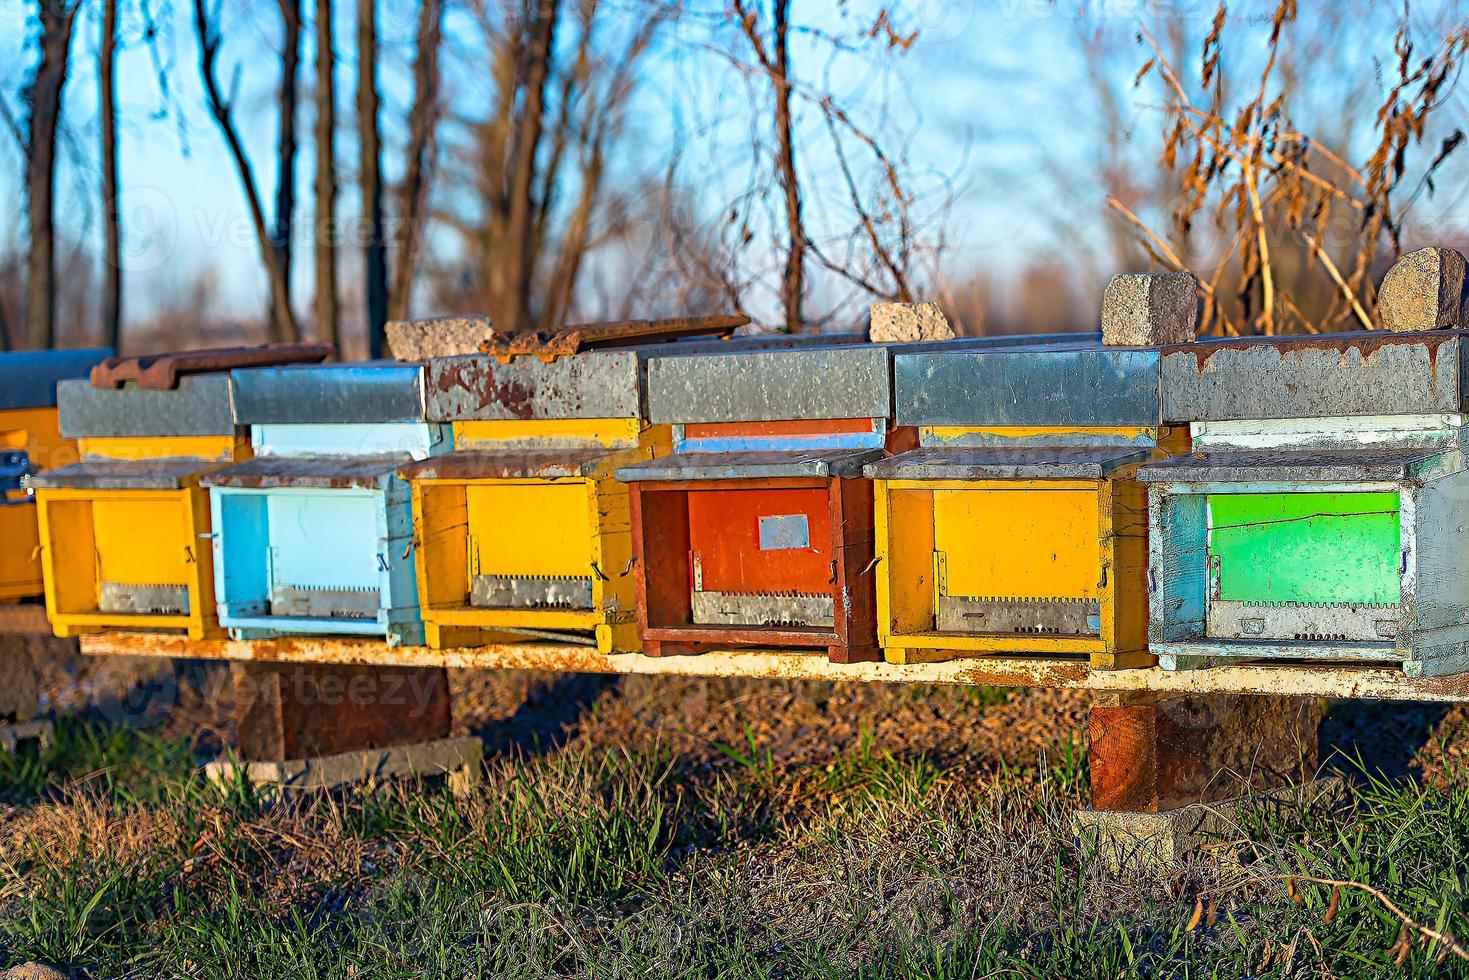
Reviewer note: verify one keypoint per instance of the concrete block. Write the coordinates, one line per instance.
(1127, 841)
(1424, 290)
(898, 323)
(457, 758)
(418, 340)
(39, 730)
(1148, 309)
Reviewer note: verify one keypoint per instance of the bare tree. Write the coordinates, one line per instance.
(775, 59)
(535, 68)
(43, 102)
(325, 243)
(111, 204)
(285, 154)
(375, 261)
(422, 123)
(282, 318)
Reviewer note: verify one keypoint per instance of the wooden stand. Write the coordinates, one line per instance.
(1162, 768)
(299, 711)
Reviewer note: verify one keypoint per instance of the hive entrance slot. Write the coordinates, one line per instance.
(324, 602)
(151, 600)
(1003, 615)
(530, 592)
(763, 609)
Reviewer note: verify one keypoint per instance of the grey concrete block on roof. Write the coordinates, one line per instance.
(1143, 310)
(1424, 290)
(418, 340)
(901, 323)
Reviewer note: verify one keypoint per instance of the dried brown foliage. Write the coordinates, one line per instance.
(1282, 198)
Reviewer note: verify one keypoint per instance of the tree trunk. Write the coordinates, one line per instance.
(375, 260)
(519, 259)
(413, 194)
(57, 18)
(326, 178)
(282, 318)
(111, 203)
(285, 189)
(793, 282)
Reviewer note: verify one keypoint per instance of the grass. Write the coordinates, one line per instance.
(115, 861)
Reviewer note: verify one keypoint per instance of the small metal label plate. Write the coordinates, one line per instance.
(783, 532)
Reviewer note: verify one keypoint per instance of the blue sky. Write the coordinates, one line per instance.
(995, 96)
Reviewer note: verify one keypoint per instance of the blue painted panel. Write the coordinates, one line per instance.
(28, 378)
(241, 578)
(315, 538)
(755, 444)
(418, 439)
(324, 538)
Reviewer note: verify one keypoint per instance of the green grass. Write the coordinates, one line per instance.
(611, 863)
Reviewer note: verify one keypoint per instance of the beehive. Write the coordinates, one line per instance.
(124, 532)
(1017, 526)
(30, 441)
(1322, 514)
(757, 529)
(315, 535)
(522, 529)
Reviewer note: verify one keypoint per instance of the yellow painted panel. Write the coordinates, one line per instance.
(601, 432)
(532, 527)
(20, 571)
(1031, 543)
(904, 528)
(143, 539)
(167, 447)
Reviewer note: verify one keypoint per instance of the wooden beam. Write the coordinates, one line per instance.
(1370, 683)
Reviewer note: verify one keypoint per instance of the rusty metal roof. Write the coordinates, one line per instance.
(170, 473)
(476, 464)
(565, 341)
(313, 472)
(1360, 373)
(1038, 462)
(161, 371)
(1281, 465)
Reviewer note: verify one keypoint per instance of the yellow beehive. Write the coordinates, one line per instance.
(523, 531)
(125, 532)
(1019, 539)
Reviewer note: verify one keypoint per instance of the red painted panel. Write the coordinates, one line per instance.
(724, 531)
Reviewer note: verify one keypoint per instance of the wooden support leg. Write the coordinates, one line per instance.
(1150, 754)
(296, 711)
(1154, 758)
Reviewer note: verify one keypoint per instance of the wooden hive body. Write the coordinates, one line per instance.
(30, 442)
(1322, 514)
(1017, 526)
(124, 532)
(315, 534)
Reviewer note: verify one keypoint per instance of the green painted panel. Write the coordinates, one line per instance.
(1305, 547)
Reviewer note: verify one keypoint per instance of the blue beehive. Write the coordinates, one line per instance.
(315, 534)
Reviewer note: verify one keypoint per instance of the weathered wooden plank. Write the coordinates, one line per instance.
(1371, 683)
